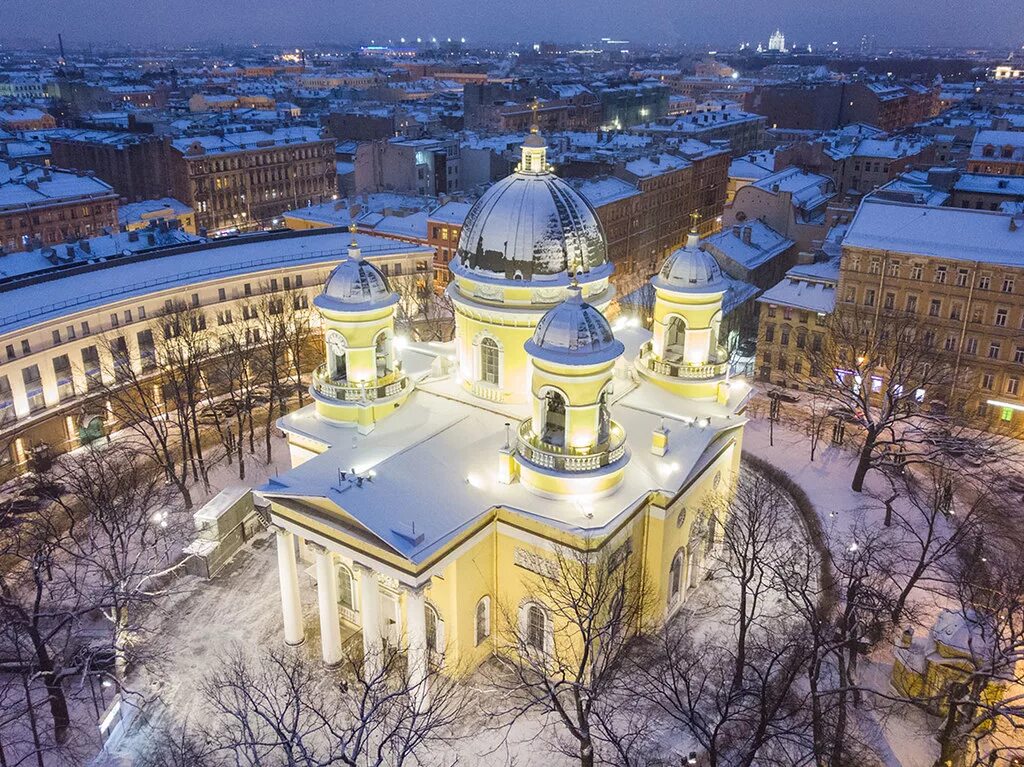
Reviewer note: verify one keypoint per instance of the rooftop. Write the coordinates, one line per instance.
(953, 233)
(25, 186)
(443, 432)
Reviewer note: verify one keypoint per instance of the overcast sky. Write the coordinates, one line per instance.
(935, 22)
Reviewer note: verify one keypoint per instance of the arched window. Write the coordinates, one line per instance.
(489, 355)
(483, 619)
(536, 628)
(382, 349)
(604, 419)
(432, 632)
(346, 592)
(675, 338)
(336, 355)
(675, 575)
(554, 419)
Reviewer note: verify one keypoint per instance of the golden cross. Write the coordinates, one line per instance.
(695, 216)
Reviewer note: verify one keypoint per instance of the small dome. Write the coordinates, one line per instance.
(357, 284)
(574, 333)
(691, 269)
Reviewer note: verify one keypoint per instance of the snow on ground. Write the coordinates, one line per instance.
(901, 733)
(241, 606)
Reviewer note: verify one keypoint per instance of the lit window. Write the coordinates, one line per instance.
(489, 355)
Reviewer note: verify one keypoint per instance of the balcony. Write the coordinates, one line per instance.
(568, 459)
(712, 369)
(392, 384)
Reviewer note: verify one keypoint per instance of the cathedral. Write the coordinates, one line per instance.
(432, 483)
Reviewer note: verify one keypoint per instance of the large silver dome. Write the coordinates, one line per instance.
(574, 333)
(356, 284)
(691, 269)
(531, 225)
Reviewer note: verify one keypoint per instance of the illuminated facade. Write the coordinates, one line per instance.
(532, 429)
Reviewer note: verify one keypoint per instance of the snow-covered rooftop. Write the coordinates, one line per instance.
(953, 233)
(24, 305)
(444, 432)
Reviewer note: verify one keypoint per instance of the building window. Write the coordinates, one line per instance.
(954, 311)
(1008, 284)
(912, 304)
(33, 388)
(769, 333)
(65, 379)
(993, 350)
(536, 628)
(346, 591)
(972, 346)
(894, 268)
(489, 361)
(940, 274)
(1013, 386)
(869, 297)
(916, 271)
(984, 282)
(1001, 315)
(876, 265)
(988, 381)
(962, 275)
(934, 307)
(7, 414)
(483, 619)
(1018, 355)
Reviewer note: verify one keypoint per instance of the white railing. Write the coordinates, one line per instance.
(711, 369)
(569, 459)
(352, 391)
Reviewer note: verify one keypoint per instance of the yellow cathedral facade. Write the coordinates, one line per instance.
(432, 483)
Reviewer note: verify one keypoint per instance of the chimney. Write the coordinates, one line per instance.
(86, 246)
(133, 235)
(747, 232)
(736, 230)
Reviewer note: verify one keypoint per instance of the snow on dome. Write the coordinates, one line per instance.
(531, 225)
(358, 284)
(574, 332)
(691, 269)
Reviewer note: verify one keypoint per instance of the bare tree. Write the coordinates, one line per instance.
(758, 532)
(566, 652)
(121, 537)
(278, 708)
(882, 371)
(136, 398)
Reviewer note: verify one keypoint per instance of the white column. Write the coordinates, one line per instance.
(291, 604)
(416, 636)
(327, 593)
(369, 612)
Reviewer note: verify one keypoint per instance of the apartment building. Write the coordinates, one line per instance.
(243, 181)
(60, 332)
(45, 205)
(962, 273)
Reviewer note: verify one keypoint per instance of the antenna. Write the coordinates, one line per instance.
(60, 42)
(534, 107)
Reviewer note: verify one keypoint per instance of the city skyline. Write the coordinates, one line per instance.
(650, 21)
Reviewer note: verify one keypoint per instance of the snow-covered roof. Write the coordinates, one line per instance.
(453, 213)
(601, 191)
(31, 185)
(246, 141)
(988, 184)
(27, 303)
(809, 190)
(749, 244)
(953, 233)
(997, 141)
(801, 294)
(656, 165)
(442, 431)
(147, 209)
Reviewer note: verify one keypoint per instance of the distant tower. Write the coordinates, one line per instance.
(60, 41)
(777, 42)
